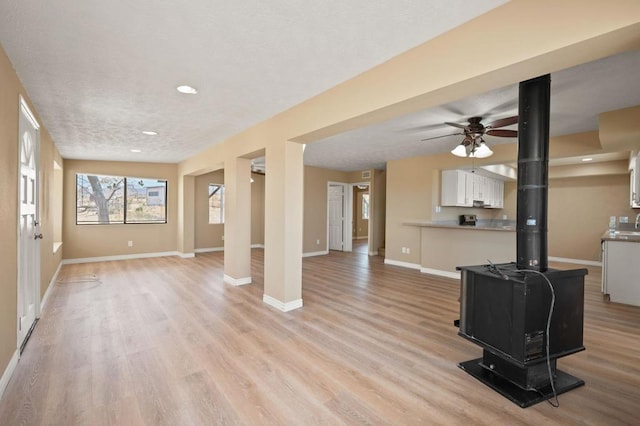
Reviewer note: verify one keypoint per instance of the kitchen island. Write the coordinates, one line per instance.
(621, 266)
(446, 245)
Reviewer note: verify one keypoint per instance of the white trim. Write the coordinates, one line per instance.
(281, 306)
(124, 257)
(441, 273)
(56, 246)
(257, 246)
(236, 281)
(361, 238)
(8, 372)
(45, 298)
(373, 253)
(208, 249)
(315, 253)
(183, 255)
(575, 261)
(403, 264)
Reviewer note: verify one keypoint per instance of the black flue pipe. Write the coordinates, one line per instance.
(533, 178)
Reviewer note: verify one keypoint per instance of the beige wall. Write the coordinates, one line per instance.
(209, 235)
(257, 209)
(379, 206)
(82, 241)
(10, 90)
(315, 206)
(579, 210)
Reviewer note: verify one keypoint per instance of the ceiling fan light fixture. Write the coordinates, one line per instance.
(460, 150)
(481, 150)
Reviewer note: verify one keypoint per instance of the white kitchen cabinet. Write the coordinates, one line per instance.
(620, 271)
(460, 188)
(634, 182)
(456, 188)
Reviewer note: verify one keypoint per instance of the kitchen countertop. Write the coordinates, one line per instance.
(482, 225)
(624, 238)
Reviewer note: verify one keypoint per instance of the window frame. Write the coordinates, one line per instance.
(222, 203)
(125, 201)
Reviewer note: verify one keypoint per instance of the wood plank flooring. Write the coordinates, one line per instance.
(165, 341)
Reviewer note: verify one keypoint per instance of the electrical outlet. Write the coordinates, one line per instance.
(317, 242)
(438, 209)
(130, 243)
(408, 250)
(504, 217)
(623, 219)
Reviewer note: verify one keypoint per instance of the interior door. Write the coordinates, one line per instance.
(28, 228)
(336, 217)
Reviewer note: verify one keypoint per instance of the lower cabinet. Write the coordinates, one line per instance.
(621, 271)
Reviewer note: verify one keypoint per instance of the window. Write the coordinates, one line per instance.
(103, 200)
(365, 206)
(216, 203)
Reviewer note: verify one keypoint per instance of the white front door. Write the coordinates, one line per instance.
(336, 217)
(28, 227)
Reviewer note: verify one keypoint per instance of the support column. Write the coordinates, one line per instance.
(186, 216)
(237, 221)
(283, 226)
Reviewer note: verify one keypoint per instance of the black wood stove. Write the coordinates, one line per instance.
(524, 315)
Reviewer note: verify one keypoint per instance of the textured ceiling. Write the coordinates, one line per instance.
(99, 72)
(578, 96)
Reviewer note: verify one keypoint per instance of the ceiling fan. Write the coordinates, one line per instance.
(473, 144)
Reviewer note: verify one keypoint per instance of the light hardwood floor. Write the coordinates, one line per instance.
(165, 341)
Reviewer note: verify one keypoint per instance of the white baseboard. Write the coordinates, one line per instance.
(183, 255)
(209, 249)
(212, 249)
(373, 253)
(123, 257)
(361, 238)
(45, 298)
(403, 264)
(8, 372)
(281, 306)
(236, 281)
(440, 273)
(575, 261)
(315, 253)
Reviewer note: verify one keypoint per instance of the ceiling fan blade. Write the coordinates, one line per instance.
(460, 126)
(502, 122)
(502, 133)
(443, 136)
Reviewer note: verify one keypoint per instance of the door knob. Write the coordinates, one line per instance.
(37, 237)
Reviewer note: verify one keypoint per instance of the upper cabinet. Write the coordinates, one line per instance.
(634, 181)
(465, 189)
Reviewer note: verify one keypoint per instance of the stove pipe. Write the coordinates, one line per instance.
(533, 163)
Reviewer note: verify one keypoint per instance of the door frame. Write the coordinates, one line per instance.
(347, 207)
(23, 108)
(370, 221)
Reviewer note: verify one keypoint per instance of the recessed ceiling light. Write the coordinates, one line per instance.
(135, 150)
(149, 133)
(587, 159)
(188, 90)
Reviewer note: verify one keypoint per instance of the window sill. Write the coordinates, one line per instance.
(56, 246)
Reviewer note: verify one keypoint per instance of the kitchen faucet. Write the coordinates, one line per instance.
(637, 220)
